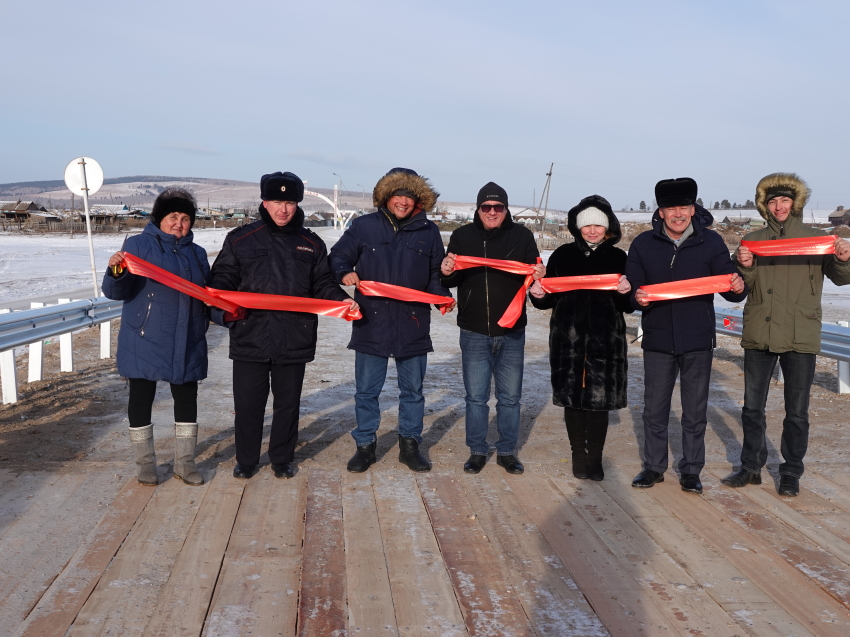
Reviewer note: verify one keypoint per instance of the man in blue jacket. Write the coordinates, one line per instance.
(396, 245)
(678, 335)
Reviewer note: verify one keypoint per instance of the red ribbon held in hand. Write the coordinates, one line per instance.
(588, 282)
(688, 287)
(399, 293)
(230, 301)
(514, 311)
(791, 247)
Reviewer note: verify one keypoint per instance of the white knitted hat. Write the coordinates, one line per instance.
(591, 217)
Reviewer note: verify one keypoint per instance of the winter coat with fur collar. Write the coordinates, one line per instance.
(783, 311)
(587, 337)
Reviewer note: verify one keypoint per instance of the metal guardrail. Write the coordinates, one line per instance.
(835, 340)
(31, 326)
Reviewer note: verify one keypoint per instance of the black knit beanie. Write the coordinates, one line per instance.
(492, 192)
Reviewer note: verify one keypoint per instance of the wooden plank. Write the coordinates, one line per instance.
(425, 604)
(551, 599)
(621, 603)
(59, 606)
(486, 599)
(322, 608)
(185, 599)
(257, 590)
(691, 610)
(787, 586)
(829, 489)
(127, 594)
(766, 497)
(38, 546)
(370, 602)
(751, 608)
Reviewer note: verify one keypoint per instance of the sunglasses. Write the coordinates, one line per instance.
(495, 208)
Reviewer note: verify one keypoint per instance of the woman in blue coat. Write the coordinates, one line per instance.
(163, 331)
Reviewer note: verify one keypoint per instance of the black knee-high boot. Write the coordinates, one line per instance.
(597, 431)
(575, 420)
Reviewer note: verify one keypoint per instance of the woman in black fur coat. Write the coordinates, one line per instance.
(587, 338)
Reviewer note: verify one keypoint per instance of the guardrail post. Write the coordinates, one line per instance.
(105, 340)
(36, 365)
(844, 370)
(8, 374)
(66, 348)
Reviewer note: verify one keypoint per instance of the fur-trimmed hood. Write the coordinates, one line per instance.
(405, 179)
(791, 181)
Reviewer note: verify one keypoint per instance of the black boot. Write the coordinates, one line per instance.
(408, 453)
(597, 431)
(788, 485)
(741, 478)
(577, 433)
(363, 458)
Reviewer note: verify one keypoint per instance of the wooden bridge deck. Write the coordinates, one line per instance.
(393, 553)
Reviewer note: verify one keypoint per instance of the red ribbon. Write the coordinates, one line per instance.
(230, 301)
(514, 311)
(688, 287)
(588, 282)
(791, 247)
(514, 267)
(376, 288)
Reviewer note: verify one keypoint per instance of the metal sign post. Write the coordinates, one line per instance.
(84, 176)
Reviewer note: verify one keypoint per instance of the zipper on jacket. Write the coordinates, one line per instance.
(147, 316)
(675, 252)
(487, 291)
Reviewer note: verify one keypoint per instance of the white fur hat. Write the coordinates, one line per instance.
(591, 217)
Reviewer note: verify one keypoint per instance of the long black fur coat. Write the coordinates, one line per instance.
(587, 338)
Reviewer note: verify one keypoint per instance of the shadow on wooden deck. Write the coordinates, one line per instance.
(393, 553)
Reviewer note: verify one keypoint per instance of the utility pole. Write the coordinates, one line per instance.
(546, 189)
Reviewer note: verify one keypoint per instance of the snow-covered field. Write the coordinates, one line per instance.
(47, 267)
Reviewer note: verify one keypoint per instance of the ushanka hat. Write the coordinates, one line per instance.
(492, 192)
(281, 187)
(676, 192)
(174, 200)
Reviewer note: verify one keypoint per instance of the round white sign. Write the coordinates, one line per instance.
(74, 176)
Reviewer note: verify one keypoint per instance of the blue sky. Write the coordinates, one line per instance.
(617, 94)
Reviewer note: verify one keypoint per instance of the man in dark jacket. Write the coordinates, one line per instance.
(782, 321)
(275, 255)
(678, 335)
(395, 245)
(489, 350)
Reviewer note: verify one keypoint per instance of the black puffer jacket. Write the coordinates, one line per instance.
(485, 293)
(286, 260)
(587, 337)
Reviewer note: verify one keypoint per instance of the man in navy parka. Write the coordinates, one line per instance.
(678, 335)
(400, 246)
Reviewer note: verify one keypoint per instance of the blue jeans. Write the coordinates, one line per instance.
(798, 371)
(370, 372)
(486, 357)
(660, 371)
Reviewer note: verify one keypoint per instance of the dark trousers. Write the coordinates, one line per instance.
(798, 371)
(660, 371)
(250, 394)
(142, 393)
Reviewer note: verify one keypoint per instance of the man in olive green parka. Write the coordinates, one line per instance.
(782, 320)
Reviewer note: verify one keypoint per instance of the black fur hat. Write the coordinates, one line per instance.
(676, 192)
(174, 200)
(281, 187)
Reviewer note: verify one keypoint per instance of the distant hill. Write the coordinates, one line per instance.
(51, 185)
